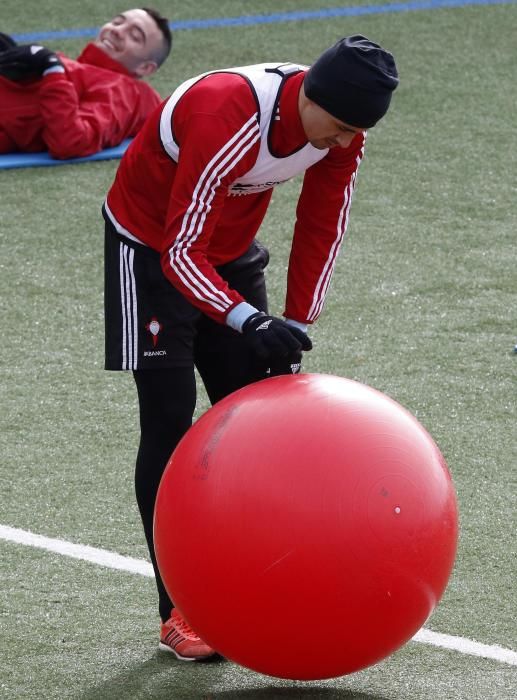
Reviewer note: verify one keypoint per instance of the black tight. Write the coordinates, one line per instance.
(166, 399)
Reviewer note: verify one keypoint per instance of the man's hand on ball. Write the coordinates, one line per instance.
(292, 364)
(274, 340)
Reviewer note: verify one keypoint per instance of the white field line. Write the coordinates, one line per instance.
(111, 560)
(103, 557)
(467, 646)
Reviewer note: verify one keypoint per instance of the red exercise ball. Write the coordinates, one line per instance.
(306, 526)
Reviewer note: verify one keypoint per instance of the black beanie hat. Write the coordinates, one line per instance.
(353, 81)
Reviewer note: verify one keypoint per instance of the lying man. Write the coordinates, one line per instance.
(72, 108)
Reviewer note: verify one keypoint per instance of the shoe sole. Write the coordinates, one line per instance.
(170, 650)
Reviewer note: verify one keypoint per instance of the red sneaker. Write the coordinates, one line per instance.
(176, 636)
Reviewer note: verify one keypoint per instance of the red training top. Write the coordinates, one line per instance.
(189, 201)
(94, 104)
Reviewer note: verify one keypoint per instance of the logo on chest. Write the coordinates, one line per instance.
(238, 188)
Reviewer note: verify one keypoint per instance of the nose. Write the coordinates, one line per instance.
(116, 30)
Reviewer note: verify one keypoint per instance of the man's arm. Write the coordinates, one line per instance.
(103, 114)
(218, 132)
(322, 218)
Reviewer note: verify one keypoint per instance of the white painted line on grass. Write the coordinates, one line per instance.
(111, 560)
(467, 646)
(103, 557)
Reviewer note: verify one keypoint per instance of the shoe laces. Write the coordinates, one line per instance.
(184, 628)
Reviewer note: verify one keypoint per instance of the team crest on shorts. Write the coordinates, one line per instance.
(154, 327)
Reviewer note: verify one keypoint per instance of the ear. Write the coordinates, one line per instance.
(145, 69)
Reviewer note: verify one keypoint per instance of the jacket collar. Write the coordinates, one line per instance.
(94, 56)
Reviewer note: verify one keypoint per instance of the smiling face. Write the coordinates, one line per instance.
(321, 128)
(133, 39)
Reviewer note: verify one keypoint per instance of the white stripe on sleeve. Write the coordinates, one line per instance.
(195, 216)
(323, 283)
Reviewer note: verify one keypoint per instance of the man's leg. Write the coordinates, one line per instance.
(166, 400)
(149, 330)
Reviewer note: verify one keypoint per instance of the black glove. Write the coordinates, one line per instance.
(272, 338)
(29, 61)
(292, 364)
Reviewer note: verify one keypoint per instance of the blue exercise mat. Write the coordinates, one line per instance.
(36, 160)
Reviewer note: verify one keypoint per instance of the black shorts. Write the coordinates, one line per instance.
(149, 324)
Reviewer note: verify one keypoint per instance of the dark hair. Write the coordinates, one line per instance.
(163, 25)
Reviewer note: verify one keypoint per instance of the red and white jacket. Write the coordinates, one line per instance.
(196, 182)
(94, 104)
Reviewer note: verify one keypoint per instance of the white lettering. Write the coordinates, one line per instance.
(154, 353)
